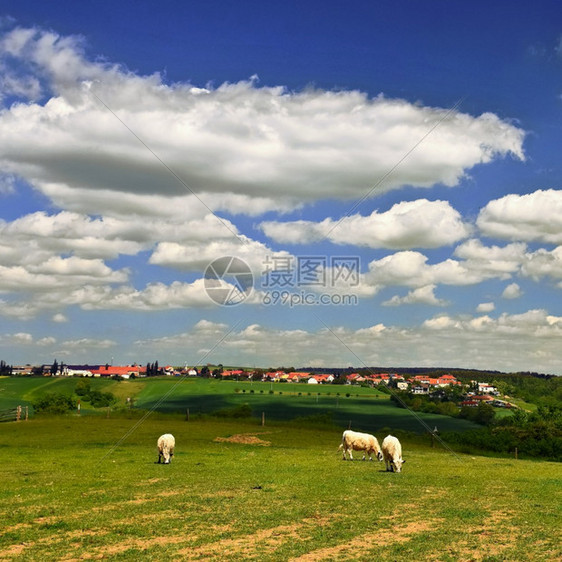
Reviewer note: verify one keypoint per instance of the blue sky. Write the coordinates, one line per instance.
(418, 141)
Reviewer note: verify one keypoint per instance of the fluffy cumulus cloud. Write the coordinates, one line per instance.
(421, 295)
(409, 224)
(485, 307)
(264, 143)
(512, 291)
(532, 217)
(544, 263)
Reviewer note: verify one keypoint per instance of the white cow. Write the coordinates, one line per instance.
(355, 441)
(392, 454)
(166, 445)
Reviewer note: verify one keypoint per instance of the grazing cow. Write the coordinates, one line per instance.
(392, 454)
(354, 441)
(166, 444)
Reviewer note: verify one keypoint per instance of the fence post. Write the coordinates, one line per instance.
(18, 413)
(26, 413)
(262, 419)
(515, 453)
(187, 414)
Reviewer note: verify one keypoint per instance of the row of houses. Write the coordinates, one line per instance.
(124, 372)
(419, 384)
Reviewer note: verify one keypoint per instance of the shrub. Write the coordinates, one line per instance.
(82, 387)
(55, 403)
(100, 399)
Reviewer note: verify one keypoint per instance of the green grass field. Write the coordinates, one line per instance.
(366, 409)
(88, 487)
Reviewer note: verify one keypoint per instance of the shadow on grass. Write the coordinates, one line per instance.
(362, 414)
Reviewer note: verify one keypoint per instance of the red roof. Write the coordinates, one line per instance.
(111, 370)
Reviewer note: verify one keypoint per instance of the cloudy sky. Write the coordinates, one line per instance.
(388, 171)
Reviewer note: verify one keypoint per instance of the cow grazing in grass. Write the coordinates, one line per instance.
(392, 454)
(166, 445)
(355, 441)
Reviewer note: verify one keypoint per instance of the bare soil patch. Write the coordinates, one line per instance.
(244, 439)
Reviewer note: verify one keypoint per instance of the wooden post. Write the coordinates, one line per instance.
(26, 413)
(18, 413)
(187, 415)
(349, 425)
(262, 419)
(515, 453)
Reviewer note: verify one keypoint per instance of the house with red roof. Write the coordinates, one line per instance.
(114, 370)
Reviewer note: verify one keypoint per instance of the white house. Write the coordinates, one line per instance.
(485, 388)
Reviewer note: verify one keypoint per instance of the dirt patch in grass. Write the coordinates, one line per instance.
(128, 544)
(11, 551)
(248, 547)
(244, 439)
(358, 547)
(491, 538)
(255, 546)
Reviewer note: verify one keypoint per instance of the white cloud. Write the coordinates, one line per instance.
(409, 224)
(197, 255)
(59, 318)
(410, 269)
(543, 263)
(47, 341)
(7, 184)
(421, 295)
(267, 144)
(528, 341)
(485, 307)
(512, 291)
(491, 261)
(19, 338)
(155, 296)
(532, 217)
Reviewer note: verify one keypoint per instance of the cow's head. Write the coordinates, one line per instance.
(379, 456)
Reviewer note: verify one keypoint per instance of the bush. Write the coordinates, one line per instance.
(55, 403)
(82, 387)
(100, 399)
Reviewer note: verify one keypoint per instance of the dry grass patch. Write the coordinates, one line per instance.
(100, 553)
(254, 546)
(244, 439)
(358, 547)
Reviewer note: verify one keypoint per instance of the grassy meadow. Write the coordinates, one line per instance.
(88, 487)
(365, 408)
